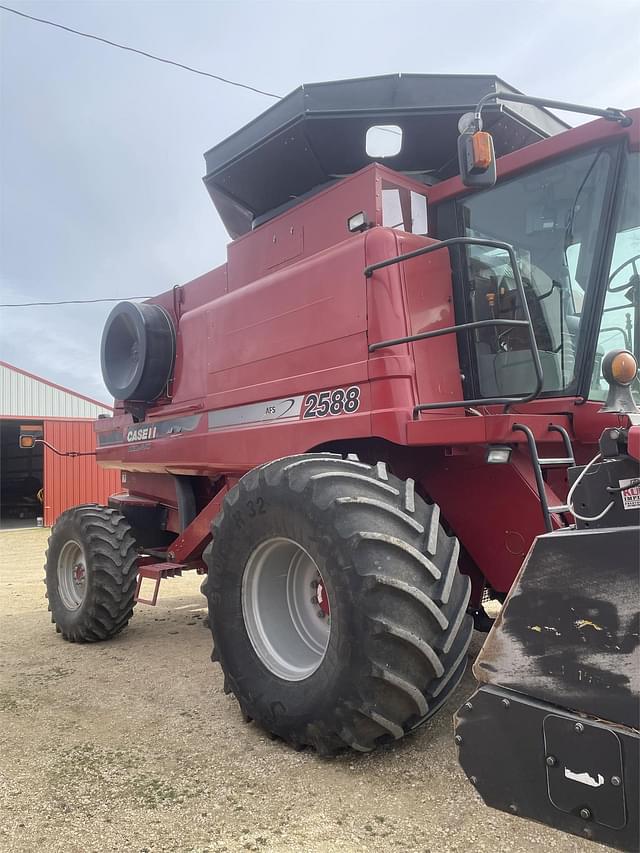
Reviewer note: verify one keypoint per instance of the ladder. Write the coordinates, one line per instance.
(539, 463)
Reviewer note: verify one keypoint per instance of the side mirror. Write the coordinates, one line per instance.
(476, 155)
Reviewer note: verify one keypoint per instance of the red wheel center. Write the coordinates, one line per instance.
(78, 572)
(323, 598)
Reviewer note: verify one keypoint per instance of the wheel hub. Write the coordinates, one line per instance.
(322, 598)
(286, 608)
(72, 575)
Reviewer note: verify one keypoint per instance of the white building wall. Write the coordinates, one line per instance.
(28, 397)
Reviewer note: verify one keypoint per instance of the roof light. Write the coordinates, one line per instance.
(498, 454)
(357, 222)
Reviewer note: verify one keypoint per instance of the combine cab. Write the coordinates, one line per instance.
(363, 422)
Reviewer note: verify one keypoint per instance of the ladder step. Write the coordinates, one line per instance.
(564, 508)
(566, 461)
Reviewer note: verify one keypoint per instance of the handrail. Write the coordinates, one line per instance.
(436, 333)
(537, 472)
(565, 439)
(469, 241)
(433, 247)
(537, 464)
(610, 113)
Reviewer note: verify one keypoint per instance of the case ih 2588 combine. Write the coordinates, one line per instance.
(373, 412)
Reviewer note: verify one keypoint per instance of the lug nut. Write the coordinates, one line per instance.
(458, 739)
(505, 703)
(320, 614)
(578, 728)
(513, 808)
(616, 781)
(473, 780)
(585, 814)
(551, 761)
(468, 706)
(314, 599)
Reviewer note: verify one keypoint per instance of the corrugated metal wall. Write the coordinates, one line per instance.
(27, 396)
(67, 480)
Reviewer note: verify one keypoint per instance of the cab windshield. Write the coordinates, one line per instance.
(619, 326)
(553, 216)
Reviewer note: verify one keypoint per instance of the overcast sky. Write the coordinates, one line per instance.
(101, 150)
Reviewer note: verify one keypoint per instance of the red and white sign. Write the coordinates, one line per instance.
(631, 496)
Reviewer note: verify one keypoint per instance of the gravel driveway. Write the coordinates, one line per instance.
(131, 745)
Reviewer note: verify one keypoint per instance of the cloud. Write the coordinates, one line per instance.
(57, 343)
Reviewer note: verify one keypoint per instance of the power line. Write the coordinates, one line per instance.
(140, 52)
(70, 302)
(147, 56)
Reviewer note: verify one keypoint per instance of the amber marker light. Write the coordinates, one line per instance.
(624, 368)
(482, 147)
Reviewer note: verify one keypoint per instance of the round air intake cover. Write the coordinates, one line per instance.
(138, 351)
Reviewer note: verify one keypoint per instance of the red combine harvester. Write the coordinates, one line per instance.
(361, 424)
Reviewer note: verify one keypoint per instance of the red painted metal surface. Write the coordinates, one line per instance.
(156, 572)
(496, 506)
(292, 315)
(186, 551)
(192, 541)
(69, 481)
(634, 442)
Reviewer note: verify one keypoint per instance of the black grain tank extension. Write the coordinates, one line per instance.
(317, 134)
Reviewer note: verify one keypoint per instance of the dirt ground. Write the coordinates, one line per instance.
(131, 745)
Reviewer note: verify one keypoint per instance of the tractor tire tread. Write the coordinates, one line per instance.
(414, 628)
(110, 549)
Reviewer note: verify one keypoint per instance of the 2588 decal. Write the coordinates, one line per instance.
(340, 401)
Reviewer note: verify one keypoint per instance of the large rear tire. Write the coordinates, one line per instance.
(337, 610)
(90, 573)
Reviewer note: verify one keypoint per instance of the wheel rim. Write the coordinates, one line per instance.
(72, 575)
(286, 609)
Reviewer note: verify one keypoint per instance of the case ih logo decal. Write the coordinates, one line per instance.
(142, 433)
(147, 432)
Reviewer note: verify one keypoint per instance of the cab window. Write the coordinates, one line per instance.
(552, 216)
(620, 322)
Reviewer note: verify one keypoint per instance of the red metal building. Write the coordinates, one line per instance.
(38, 483)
